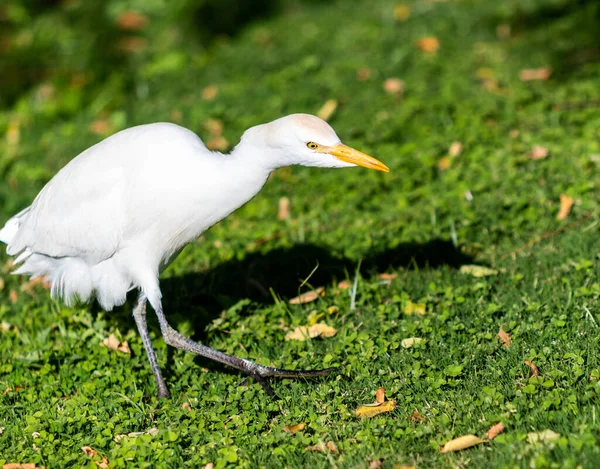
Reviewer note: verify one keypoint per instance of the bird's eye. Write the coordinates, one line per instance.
(312, 145)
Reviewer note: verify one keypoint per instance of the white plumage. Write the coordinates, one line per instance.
(120, 212)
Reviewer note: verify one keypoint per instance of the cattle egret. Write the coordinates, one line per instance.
(119, 213)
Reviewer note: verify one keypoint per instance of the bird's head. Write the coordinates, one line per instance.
(308, 141)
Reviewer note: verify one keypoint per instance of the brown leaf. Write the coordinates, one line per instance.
(113, 343)
(209, 93)
(371, 410)
(538, 152)
(380, 396)
(303, 333)
(363, 74)
(533, 370)
(308, 297)
(566, 203)
(504, 337)
(415, 308)
(132, 21)
(28, 286)
(495, 430)
(393, 86)
(416, 417)
(401, 12)
(375, 464)
(408, 343)
(283, 209)
(91, 452)
(532, 74)
(462, 442)
(455, 149)
(344, 285)
(186, 406)
(209, 466)
(328, 447)
(385, 276)
(19, 465)
(428, 44)
(327, 109)
(214, 127)
(218, 144)
(12, 296)
(444, 163)
(100, 127)
(293, 429)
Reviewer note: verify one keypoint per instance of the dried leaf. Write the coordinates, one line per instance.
(209, 466)
(401, 12)
(428, 44)
(393, 86)
(538, 152)
(477, 270)
(332, 309)
(327, 109)
(27, 287)
(371, 410)
(328, 447)
(404, 466)
(186, 406)
(214, 127)
(209, 93)
(533, 370)
(416, 417)
(363, 74)
(308, 297)
(415, 308)
(12, 296)
(380, 396)
(545, 436)
(283, 209)
(385, 276)
(462, 442)
(132, 21)
(113, 343)
(566, 203)
(455, 149)
(444, 163)
(91, 452)
(344, 285)
(408, 343)
(218, 144)
(375, 464)
(19, 465)
(293, 429)
(303, 333)
(100, 127)
(495, 430)
(504, 337)
(531, 74)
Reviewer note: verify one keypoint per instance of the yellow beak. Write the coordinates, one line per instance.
(350, 155)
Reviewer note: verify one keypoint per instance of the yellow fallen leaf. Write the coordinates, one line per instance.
(545, 436)
(415, 308)
(408, 343)
(393, 86)
(209, 466)
(462, 442)
(380, 396)
(283, 209)
(293, 429)
(428, 44)
(495, 430)
(308, 297)
(404, 466)
(332, 309)
(19, 465)
(401, 12)
(91, 452)
(533, 370)
(327, 109)
(310, 332)
(328, 447)
(531, 74)
(566, 203)
(538, 152)
(371, 410)
(113, 343)
(504, 337)
(477, 270)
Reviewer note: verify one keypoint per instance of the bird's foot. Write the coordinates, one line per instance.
(261, 375)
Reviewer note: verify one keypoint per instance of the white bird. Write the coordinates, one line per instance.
(120, 212)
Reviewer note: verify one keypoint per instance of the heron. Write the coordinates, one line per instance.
(115, 216)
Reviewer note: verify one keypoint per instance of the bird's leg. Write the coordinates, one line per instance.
(259, 372)
(139, 314)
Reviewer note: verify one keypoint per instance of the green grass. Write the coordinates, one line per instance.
(230, 289)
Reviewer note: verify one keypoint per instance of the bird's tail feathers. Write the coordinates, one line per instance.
(9, 231)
